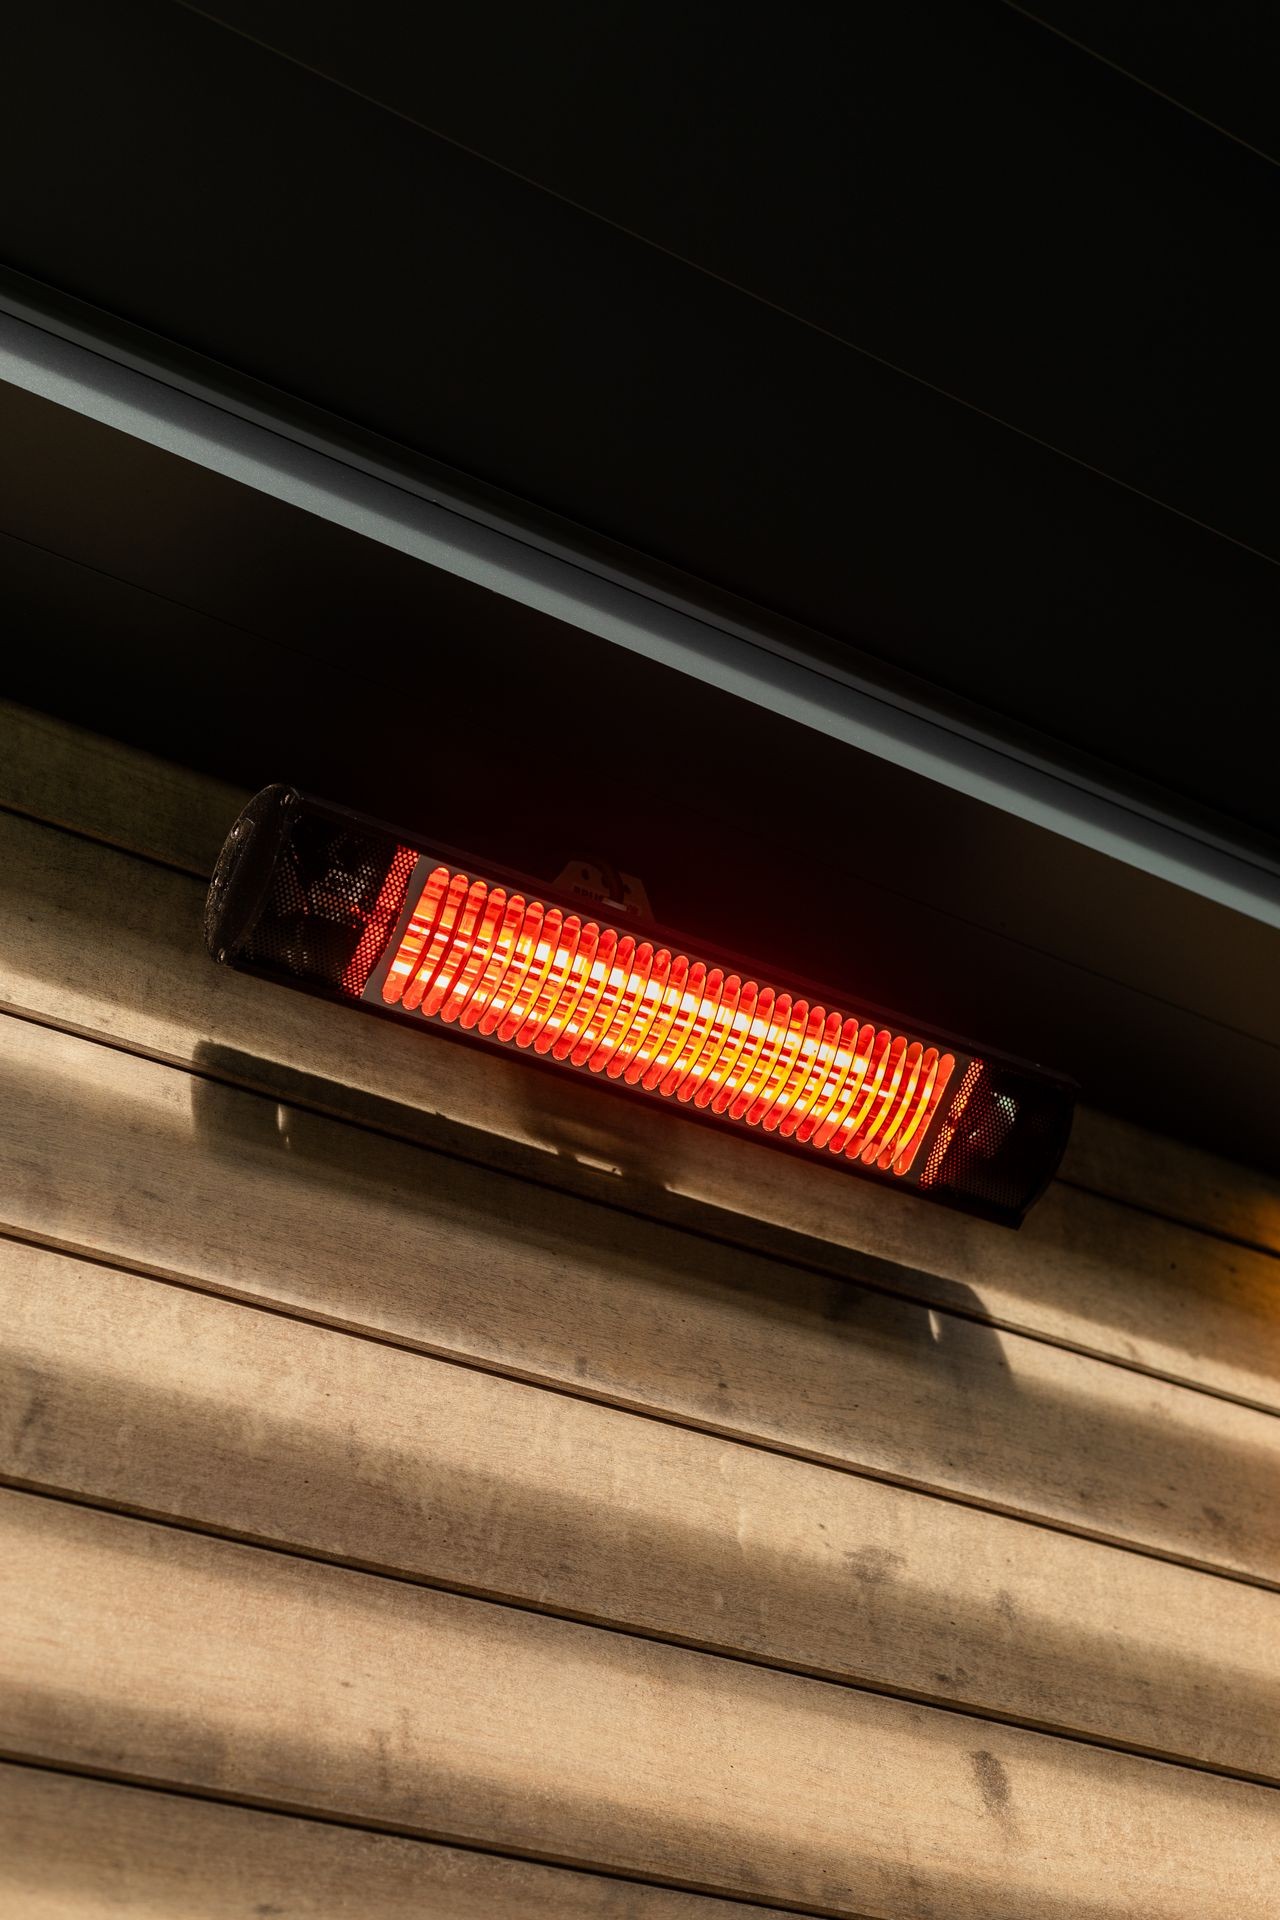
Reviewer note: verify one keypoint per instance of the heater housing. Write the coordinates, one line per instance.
(322, 898)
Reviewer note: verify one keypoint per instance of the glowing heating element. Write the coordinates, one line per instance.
(575, 990)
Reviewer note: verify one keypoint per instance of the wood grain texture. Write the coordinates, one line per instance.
(110, 945)
(109, 1153)
(1182, 1182)
(56, 772)
(177, 1659)
(131, 1393)
(72, 1848)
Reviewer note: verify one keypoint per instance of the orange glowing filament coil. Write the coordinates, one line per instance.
(539, 976)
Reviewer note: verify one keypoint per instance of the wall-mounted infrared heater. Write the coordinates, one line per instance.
(324, 899)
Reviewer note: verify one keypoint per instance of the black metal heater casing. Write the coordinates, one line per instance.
(314, 896)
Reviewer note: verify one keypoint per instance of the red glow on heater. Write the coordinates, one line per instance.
(380, 920)
(947, 1131)
(532, 975)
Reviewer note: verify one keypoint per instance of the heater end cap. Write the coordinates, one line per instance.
(242, 877)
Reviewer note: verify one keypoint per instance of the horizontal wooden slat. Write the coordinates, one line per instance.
(182, 1660)
(1084, 1270)
(54, 771)
(1179, 1181)
(73, 1848)
(132, 1393)
(109, 1153)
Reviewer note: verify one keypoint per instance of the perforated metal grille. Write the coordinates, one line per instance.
(335, 893)
(380, 920)
(1000, 1133)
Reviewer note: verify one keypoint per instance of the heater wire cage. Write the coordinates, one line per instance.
(350, 909)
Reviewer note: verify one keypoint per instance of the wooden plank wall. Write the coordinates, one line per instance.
(429, 1488)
